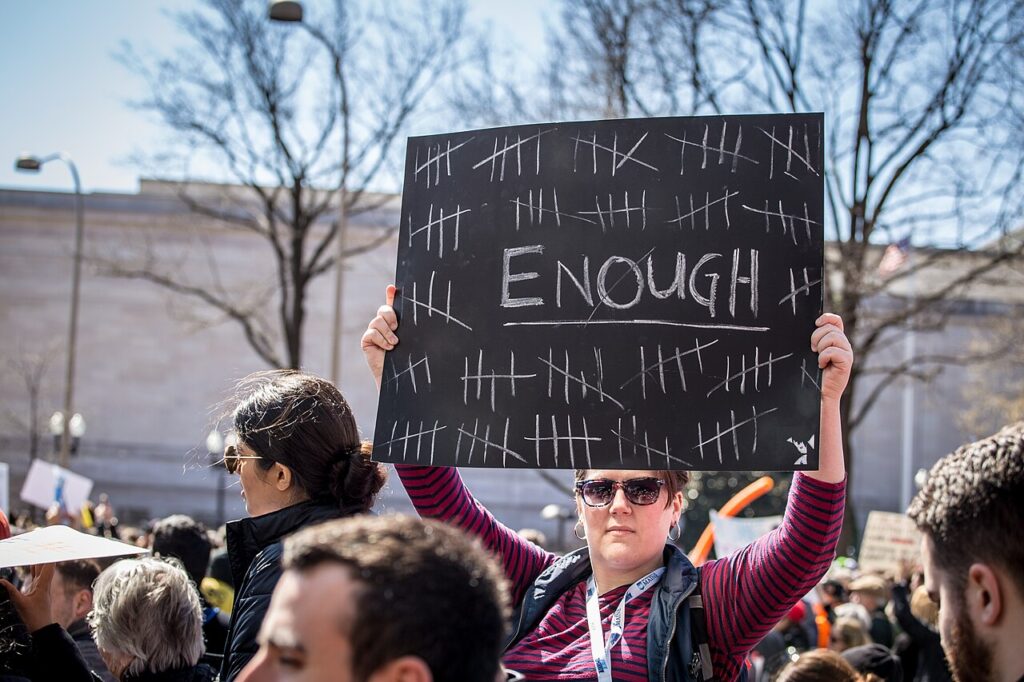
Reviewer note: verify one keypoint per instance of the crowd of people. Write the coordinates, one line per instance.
(312, 585)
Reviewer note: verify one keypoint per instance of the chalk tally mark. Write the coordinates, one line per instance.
(501, 155)
(435, 158)
(637, 447)
(438, 225)
(606, 216)
(480, 377)
(731, 431)
(789, 149)
(569, 442)
(655, 372)
(486, 443)
(743, 371)
(429, 307)
(618, 157)
(705, 209)
(788, 221)
(411, 436)
(704, 148)
(569, 378)
(411, 371)
(535, 210)
(795, 290)
(805, 376)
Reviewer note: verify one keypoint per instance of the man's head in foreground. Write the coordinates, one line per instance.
(971, 512)
(375, 599)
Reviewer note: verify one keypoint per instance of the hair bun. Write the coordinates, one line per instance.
(355, 479)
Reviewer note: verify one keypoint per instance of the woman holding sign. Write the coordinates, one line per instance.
(630, 606)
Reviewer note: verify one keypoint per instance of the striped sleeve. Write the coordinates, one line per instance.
(749, 591)
(439, 493)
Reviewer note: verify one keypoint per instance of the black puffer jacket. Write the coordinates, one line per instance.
(254, 550)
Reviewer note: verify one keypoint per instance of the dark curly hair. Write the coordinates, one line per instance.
(303, 422)
(971, 506)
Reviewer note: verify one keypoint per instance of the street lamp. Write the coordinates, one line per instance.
(290, 11)
(76, 428)
(561, 514)
(215, 446)
(34, 164)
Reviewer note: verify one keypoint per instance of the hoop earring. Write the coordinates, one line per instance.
(675, 527)
(576, 530)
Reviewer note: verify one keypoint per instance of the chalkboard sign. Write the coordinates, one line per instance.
(634, 294)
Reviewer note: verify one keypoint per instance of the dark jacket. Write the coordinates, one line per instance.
(254, 550)
(82, 636)
(669, 636)
(931, 659)
(56, 657)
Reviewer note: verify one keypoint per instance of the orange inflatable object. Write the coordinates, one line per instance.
(739, 501)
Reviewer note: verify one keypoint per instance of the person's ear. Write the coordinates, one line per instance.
(82, 603)
(984, 595)
(283, 477)
(678, 504)
(404, 669)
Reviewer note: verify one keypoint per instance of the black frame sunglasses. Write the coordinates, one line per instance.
(599, 492)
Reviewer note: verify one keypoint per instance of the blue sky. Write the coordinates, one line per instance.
(62, 89)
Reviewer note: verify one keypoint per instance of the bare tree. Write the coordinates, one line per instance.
(924, 147)
(298, 116)
(30, 369)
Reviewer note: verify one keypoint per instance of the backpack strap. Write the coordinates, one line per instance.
(700, 664)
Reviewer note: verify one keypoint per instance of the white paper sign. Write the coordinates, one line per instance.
(888, 539)
(733, 533)
(59, 543)
(5, 499)
(47, 483)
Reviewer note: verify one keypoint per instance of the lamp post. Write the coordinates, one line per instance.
(290, 11)
(34, 164)
(561, 515)
(215, 446)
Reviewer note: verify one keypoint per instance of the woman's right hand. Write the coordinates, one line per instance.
(379, 336)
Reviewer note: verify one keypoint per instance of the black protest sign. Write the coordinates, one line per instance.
(615, 294)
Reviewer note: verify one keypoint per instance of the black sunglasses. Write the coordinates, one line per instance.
(599, 492)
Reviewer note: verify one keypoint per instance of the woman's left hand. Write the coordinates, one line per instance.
(835, 355)
(33, 605)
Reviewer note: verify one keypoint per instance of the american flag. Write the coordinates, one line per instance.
(894, 257)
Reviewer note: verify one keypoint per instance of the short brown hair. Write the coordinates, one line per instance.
(78, 574)
(819, 665)
(427, 590)
(971, 499)
(675, 481)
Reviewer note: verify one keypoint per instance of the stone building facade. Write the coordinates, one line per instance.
(153, 366)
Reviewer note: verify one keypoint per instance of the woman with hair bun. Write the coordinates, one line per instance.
(300, 460)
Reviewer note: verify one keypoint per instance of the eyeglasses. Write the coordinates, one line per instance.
(233, 460)
(599, 492)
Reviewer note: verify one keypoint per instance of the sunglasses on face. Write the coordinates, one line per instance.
(233, 460)
(600, 492)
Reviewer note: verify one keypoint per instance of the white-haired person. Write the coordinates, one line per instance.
(146, 620)
(629, 586)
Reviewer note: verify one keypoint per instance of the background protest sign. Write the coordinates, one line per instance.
(48, 483)
(622, 294)
(889, 539)
(59, 543)
(733, 533)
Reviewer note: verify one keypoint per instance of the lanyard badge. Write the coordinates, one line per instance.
(601, 648)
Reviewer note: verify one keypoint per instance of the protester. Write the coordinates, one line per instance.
(877, 660)
(918, 616)
(185, 539)
(383, 598)
(300, 461)
(71, 597)
(871, 592)
(626, 518)
(848, 632)
(821, 665)
(971, 514)
(145, 619)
